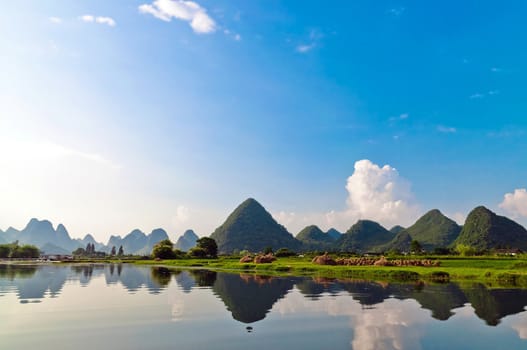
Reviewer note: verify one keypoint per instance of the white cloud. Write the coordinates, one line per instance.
(446, 129)
(182, 216)
(476, 96)
(396, 12)
(87, 18)
(458, 217)
(188, 11)
(374, 193)
(305, 48)
(55, 20)
(314, 37)
(106, 20)
(403, 116)
(98, 19)
(380, 194)
(495, 69)
(494, 92)
(515, 203)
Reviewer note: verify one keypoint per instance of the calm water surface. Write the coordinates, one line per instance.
(130, 307)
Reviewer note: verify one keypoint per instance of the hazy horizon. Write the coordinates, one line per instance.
(168, 114)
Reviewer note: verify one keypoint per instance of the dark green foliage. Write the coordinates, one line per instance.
(250, 227)
(163, 250)
(400, 243)
(14, 250)
(284, 252)
(113, 252)
(268, 250)
(334, 234)
(313, 238)
(415, 247)
(485, 230)
(121, 251)
(364, 236)
(209, 246)
(434, 230)
(197, 252)
(5, 250)
(442, 251)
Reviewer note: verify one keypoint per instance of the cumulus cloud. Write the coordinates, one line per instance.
(187, 11)
(374, 193)
(380, 194)
(98, 19)
(515, 203)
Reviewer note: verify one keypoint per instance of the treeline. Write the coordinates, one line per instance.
(90, 252)
(13, 250)
(205, 248)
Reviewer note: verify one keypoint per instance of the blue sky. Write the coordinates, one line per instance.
(124, 114)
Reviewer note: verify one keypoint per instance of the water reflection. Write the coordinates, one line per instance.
(249, 298)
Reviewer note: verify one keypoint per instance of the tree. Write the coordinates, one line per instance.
(121, 251)
(79, 252)
(284, 252)
(25, 251)
(5, 250)
(163, 250)
(113, 252)
(209, 246)
(268, 250)
(415, 247)
(197, 252)
(465, 250)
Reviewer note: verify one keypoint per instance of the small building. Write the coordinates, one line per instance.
(508, 252)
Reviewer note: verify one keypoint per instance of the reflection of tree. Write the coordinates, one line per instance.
(249, 299)
(204, 278)
(161, 275)
(11, 272)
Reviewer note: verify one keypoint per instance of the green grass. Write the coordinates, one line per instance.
(490, 270)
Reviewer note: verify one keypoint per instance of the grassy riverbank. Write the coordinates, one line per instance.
(491, 270)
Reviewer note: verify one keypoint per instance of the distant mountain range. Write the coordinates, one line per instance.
(58, 241)
(187, 241)
(250, 227)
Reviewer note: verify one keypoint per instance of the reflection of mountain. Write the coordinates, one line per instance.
(33, 283)
(492, 305)
(249, 297)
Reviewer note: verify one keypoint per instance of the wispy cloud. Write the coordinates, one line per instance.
(55, 20)
(403, 116)
(233, 35)
(496, 69)
(446, 129)
(396, 11)
(187, 11)
(314, 38)
(480, 95)
(98, 19)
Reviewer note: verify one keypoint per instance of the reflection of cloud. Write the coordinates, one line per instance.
(393, 324)
(519, 324)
